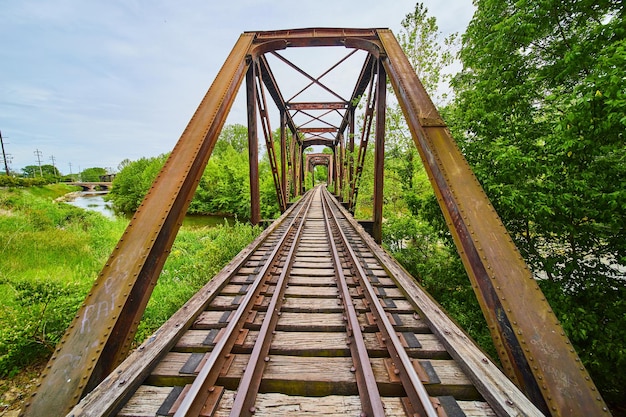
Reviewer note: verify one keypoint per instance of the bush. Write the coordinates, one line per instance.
(9, 181)
(197, 255)
(51, 254)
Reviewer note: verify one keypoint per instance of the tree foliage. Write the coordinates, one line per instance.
(224, 187)
(47, 171)
(133, 182)
(92, 174)
(540, 116)
(428, 52)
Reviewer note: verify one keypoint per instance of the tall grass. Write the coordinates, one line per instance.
(51, 253)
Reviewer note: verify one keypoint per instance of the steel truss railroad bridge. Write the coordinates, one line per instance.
(235, 337)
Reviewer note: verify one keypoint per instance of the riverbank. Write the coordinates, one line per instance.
(49, 257)
(65, 198)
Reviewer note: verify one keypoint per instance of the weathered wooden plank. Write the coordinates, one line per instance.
(316, 376)
(305, 258)
(148, 399)
(310, 272)
(330, 322)
(307, 252)
(403, 322)
(322, 263)
(312, 322)
(303, 281)
(317, 305)
(317, 343)
(145, 402)
(234, 289)
(211, 320)
(242, 279)
(312, 292)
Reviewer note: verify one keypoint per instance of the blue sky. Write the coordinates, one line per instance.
(95, 82)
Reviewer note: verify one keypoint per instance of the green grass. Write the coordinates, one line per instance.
(51, 253)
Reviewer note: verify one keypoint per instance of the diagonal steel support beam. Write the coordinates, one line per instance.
(102, 330)
(531, 343)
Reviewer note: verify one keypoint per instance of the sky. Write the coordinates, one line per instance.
(91, 83)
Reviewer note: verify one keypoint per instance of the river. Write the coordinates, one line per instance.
(95, 201)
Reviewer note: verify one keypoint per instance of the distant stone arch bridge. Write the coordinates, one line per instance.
(93, 186)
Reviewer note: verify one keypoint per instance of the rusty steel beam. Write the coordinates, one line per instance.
(318, 106)
(253, 145)
(379, 156)
(301, 179)
(318, 141)
(350, 146)
(365, 135)
(294, 146)
(100, 335)
(272, 87)
(316, 36)
(283, 156)
(317, 129)
(269, 142)
(531, 343)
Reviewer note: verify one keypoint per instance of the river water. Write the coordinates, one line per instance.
(95, 201)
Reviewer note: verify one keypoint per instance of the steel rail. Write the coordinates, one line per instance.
(415, 390)
(366, 381)
(250, 382)
(193, 402)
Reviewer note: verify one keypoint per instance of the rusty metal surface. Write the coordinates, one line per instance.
(316, 36)
(379, 153)
(253, 145)
(366, 381)
(531, 343)
(269, 140)
(210, 369)
(365, 135)
(402, 363)
(251, 379)
(100, 334)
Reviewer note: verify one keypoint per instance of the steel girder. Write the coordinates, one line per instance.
(531, 344)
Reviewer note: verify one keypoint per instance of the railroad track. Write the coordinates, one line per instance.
(313, 318)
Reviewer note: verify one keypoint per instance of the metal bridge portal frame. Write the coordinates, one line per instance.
(533, 348)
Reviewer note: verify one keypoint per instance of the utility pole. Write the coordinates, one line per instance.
(38, 154)
(54, 168)
(4, 155)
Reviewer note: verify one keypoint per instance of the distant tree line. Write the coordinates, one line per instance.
(35, 175)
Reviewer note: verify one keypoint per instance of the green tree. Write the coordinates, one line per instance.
(540, 116)
(133, 182)
(92, 174)
(47, 170)
(428, 52)
(235, 136)
(224, 187)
